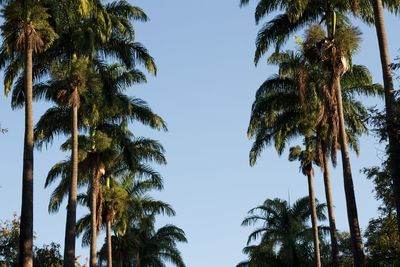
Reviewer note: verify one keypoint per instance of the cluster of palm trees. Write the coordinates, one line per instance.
(313, 96)
(287, 240)
(82, 55)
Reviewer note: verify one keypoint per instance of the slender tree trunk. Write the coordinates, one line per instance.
(70, 229)
(109, 244)
(108, 218)
(26, 227)
(391, 116)
(311, 195)
(331, 213)
(352, 215)
(93, 200)
(138, 263)
(93, 218)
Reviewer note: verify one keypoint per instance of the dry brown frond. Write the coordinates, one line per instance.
(74, 99)
(302, 81)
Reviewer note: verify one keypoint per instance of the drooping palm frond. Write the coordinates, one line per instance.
(282, 231)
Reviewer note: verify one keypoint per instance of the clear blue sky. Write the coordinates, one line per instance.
(204, 90)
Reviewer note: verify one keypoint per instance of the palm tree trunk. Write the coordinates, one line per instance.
(109, 244)
(108, 218)
(26, 227)
(391, 116)
(331, 213)
(311, 194)
(93, 201)
(70, 229)
(138, 263)
(358, 253)
(93, 219)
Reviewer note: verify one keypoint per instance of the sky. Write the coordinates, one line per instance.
(204, 89)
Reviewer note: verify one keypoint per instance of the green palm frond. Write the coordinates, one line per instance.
(52, 123)
(277, 31)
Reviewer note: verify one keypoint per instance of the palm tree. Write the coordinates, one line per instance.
(144, 246)
(101, 107)
(306, 158)
(125, 199)
(260, 255)
(107, 33)
(279, 108)
(26, 31)
(294, 17)
(336, 53)
(284, 235)
(41, 68)
(391, 112)
(110, 150)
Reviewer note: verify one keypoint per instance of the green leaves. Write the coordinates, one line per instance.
(282, 230)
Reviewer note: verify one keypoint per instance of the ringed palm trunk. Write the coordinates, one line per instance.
(109, 244)
(331, 213)
(70, 229)
(108, 219)
(358, 253)
(26, 232)
(391, 116)
(93, 217)
(311, 194)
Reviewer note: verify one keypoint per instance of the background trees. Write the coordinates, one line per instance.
(285, 237)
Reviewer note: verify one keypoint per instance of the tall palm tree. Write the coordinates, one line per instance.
(117, 149)
(125, 199)
(88, 29)
(284, 234)
(279, 108)
(392, 117)
(26, 31)
(103, 104)
(336, 54)
(41, 68)
(295, 16)
(306, 158)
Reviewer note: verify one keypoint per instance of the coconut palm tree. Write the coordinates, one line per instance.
(26, 31)
(284, 234)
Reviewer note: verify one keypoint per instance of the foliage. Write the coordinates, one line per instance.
(144, 245)
(285, 236)
(383, 244)
(382, 238)
(345, 249)
(47, 255)
(9, 239)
